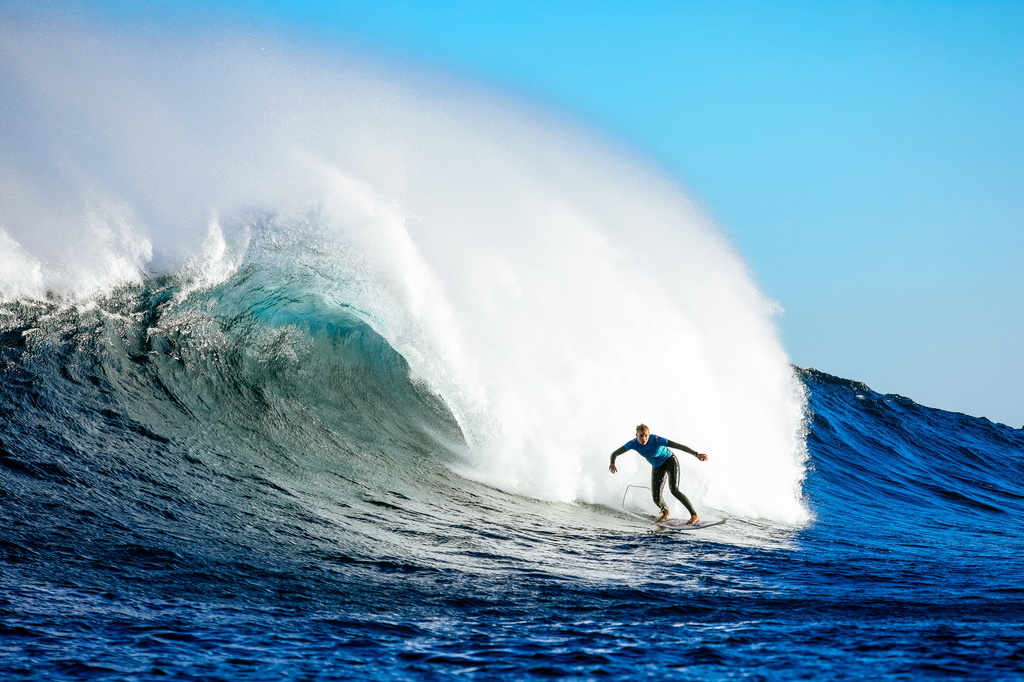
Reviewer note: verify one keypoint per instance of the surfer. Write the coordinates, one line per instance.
(655, 450)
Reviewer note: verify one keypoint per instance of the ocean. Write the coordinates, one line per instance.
(310, 368)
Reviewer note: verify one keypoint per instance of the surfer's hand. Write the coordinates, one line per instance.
(612, 468)
(702, 457)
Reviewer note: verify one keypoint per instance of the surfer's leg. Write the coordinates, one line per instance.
(657, 485)
(672, 468)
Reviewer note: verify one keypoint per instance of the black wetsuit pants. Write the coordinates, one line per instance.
(670, 470)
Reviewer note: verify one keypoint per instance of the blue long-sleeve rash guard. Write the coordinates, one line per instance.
(656, 451)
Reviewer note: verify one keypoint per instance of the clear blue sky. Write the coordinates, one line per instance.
(866, 158)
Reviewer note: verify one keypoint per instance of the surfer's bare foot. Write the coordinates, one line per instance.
(664, 515)
(693, 520)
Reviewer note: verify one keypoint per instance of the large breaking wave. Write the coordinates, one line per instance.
(269, 240)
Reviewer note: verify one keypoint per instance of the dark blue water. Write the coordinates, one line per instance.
(220, 495)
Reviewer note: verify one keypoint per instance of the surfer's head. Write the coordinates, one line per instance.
(642, 433)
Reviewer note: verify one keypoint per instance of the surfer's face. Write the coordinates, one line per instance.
(642, 436)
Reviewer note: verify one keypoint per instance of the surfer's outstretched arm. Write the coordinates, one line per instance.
(611, 466)
(679, 446)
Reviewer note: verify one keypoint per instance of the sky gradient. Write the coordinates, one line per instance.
(866, 159)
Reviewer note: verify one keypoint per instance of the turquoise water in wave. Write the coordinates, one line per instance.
(229, 487)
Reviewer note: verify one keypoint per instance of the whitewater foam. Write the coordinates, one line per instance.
(552, 290)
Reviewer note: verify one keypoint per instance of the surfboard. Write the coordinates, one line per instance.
(680, 524)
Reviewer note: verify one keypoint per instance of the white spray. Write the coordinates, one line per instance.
(551, 289)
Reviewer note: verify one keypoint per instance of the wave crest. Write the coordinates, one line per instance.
(549, 289)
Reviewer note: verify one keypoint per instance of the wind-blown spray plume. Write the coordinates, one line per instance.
(549, 288)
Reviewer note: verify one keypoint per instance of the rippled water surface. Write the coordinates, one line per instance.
(921, 581)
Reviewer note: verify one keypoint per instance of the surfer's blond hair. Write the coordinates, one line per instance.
(643, 428)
